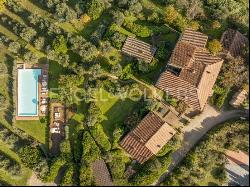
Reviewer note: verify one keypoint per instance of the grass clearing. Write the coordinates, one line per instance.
(92, 25)
(114, 110)
(32, 6)
(123, 31)
(36, 129)
(14, 37)
(13, 16)
(8, 33)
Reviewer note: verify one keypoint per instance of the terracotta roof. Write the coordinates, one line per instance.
(239, 157)
(195, 38)
(147, 138)
(182, 55)
(179, 88)
(233, 42)
(101, 173)
(138, 49)
(197, 71)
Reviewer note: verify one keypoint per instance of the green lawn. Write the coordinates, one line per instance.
(36, 129)
(116, 54)
(114, 110)
(123, 31)
(92, 25)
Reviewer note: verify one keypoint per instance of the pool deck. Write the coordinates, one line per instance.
(41, 96)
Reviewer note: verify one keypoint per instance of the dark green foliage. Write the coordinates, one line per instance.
(162, 51)
(94, 115)
(117, 163)
(30, 156)
(219, 96)
(229, 9)
(2, 100)
(60, 45)
(115, 87)
(219, 173)
(10, 165)
(65, 150)
(95, 8)
(116, 70)
(117, 40)
(90, 153)
(85, 49)
(68, 85)
(98, 34)
(64, 12)
(100, 137)
(150, 171)
(55, 165)
(39, 43)
(173, 144)
(117, 134)
(67, 179)
(127, 72)
(138, 30)
(118, 17)
(13, 140)
(28, 34)
(14, 47)
(30, 57)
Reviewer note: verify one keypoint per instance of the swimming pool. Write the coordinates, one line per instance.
(28, 92)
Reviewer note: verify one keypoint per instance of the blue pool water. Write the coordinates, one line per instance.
(28, 92)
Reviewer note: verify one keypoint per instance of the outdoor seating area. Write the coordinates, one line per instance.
(57, 118)
(44, 92)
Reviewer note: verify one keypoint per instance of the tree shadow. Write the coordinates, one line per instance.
(60, 174)
(116, 115)
(4, 183)
(236, 179)
(9, 62)
(56, 140)
(41, 5)
(11, 25)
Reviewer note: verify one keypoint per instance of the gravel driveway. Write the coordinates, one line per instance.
(197, 128)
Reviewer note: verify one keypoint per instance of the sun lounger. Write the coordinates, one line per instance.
(44, 102)
(55, 130)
